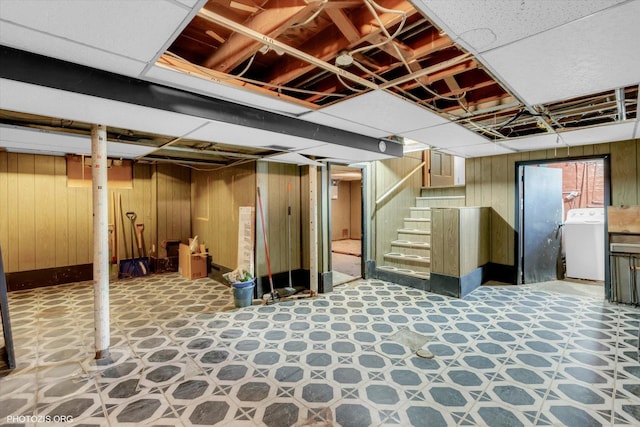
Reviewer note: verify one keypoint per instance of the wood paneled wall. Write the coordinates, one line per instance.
(442, 197)
(141, 199)
(45, 224)
(356, 209)
(491, 182)
(272, 178)
(173, 186)
(217, 195)
(389, 215)
(459, 240)
(341, 212)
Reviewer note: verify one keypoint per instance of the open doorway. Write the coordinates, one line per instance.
(346, 223)
(561, 225)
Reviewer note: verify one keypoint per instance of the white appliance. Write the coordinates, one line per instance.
(584, 243)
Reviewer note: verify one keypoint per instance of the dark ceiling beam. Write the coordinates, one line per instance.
(44, 71)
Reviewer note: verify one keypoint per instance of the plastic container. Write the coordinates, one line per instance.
(243, 293)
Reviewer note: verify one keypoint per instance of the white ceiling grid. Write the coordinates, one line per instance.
(447, 135)
(382, 110)
(17, 96)
(547, 51)
(479, 150)
(486, 24)
(230, 133)
(119, 36)
(21, 139)
(543, 51)
(595, 135)
(320, 118)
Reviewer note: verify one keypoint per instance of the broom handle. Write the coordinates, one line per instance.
(266, 245)
(289, 230)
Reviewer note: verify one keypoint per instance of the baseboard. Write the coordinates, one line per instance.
(32, 279)
(402, 279)
(458, 287)
(299, 277)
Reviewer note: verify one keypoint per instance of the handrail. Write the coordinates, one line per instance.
(399, 183)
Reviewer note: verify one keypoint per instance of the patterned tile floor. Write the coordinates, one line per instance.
(504, 356)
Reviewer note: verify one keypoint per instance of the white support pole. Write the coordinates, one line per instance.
(100, 240)
(313, 229)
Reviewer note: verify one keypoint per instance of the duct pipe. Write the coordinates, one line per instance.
(620, 98)
(100, 240)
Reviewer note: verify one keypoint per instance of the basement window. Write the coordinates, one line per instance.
(119, 172)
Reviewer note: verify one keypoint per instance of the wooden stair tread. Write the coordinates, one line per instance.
(413, 231)
(410, 244)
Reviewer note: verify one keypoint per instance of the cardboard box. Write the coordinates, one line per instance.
(192, 266)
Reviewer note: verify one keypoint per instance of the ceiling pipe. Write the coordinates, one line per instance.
(620, 102)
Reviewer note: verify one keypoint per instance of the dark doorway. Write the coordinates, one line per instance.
(557, 201)
(346, 223)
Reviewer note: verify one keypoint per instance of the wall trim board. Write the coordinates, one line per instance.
(32, 279)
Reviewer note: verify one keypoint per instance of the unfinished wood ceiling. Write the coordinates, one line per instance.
(318, 53)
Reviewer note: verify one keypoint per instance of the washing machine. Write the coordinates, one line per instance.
(584, 243)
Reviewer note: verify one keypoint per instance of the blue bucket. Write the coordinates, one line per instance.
(243, 293)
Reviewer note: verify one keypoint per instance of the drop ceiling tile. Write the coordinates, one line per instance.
(192, 3)
(478, 150)
(445, 136)
(535, 142)
(233, 134)
(23, 139)
(34, 41)
(339, 123)
(342, 154)
(565, 140)
(127, 151)
(487, 24)
(33, 99)
(219, 90)
(580, 58)
(135, 29)
(600, 134)
(292, 158)
(381, 110)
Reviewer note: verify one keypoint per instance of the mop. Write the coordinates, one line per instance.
(274, 297)
(289, 290)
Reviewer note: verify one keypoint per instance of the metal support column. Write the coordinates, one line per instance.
(313, 230)
(100, 240)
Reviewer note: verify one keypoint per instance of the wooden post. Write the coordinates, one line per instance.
(313, 230)
(100, 240)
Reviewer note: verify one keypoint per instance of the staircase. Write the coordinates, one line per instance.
(411, 252)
